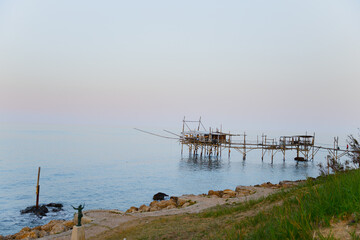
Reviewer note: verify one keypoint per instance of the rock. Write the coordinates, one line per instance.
(240, 188)
(144, 208)
(47, 227)
(132, 210)
(286, 184)
(181, 202)
(178, 201)
(175, 199)
(186, 204)
(230, 193)
(34, 234)
(55, 205)
(226, 196)
(69, 224)
(215, 193)
(26, 235)
(25, 229)
(37, 228)
(166, 203)
(153, 203)
(40, 211)
(52, 227)
(42, 233)
(160, 196)
(211, 192)
(154, 208)
(170, 207)
(268, 185)
(244, 191)
(58, 228)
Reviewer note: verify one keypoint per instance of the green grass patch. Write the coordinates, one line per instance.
(313, 207)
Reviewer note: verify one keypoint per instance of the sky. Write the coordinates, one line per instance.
(259, 64)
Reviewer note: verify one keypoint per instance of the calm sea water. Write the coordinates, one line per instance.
(115, 168)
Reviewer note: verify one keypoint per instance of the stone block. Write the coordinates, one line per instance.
(78, 233)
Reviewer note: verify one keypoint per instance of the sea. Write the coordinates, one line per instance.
(116, 168)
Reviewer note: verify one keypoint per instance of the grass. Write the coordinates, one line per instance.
(336, 196)
(294, 213)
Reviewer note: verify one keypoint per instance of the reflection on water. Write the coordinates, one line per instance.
(197, 163)
(216, 163)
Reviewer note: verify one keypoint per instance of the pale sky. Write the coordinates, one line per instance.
(250, 64)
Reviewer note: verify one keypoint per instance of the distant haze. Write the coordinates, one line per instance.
(246, 64)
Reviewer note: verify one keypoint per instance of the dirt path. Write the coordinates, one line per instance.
(105, 220)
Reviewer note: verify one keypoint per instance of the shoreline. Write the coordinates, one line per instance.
(98, 221)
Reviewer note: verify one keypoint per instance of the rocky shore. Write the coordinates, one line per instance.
(98, 221)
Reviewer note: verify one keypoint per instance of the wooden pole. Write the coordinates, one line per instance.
(284, 150)
(38, 189)
(262, 147)
(244, 153)
(183, 137)
(272, 152)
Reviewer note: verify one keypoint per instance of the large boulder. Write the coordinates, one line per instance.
(26, 235)
(215, 193)
(58, 228)
(179, 202)
(25, 229)
(228, 193)
(132, 210)
(154, 208)
(55, 207)
(268, 185)
(43, 209)
(160, 196)
(170, 207)
(153, 203)
(144, 208)
(244, 191)
(47, 227)
(166, 203)
(52, 227)
(42, 233)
